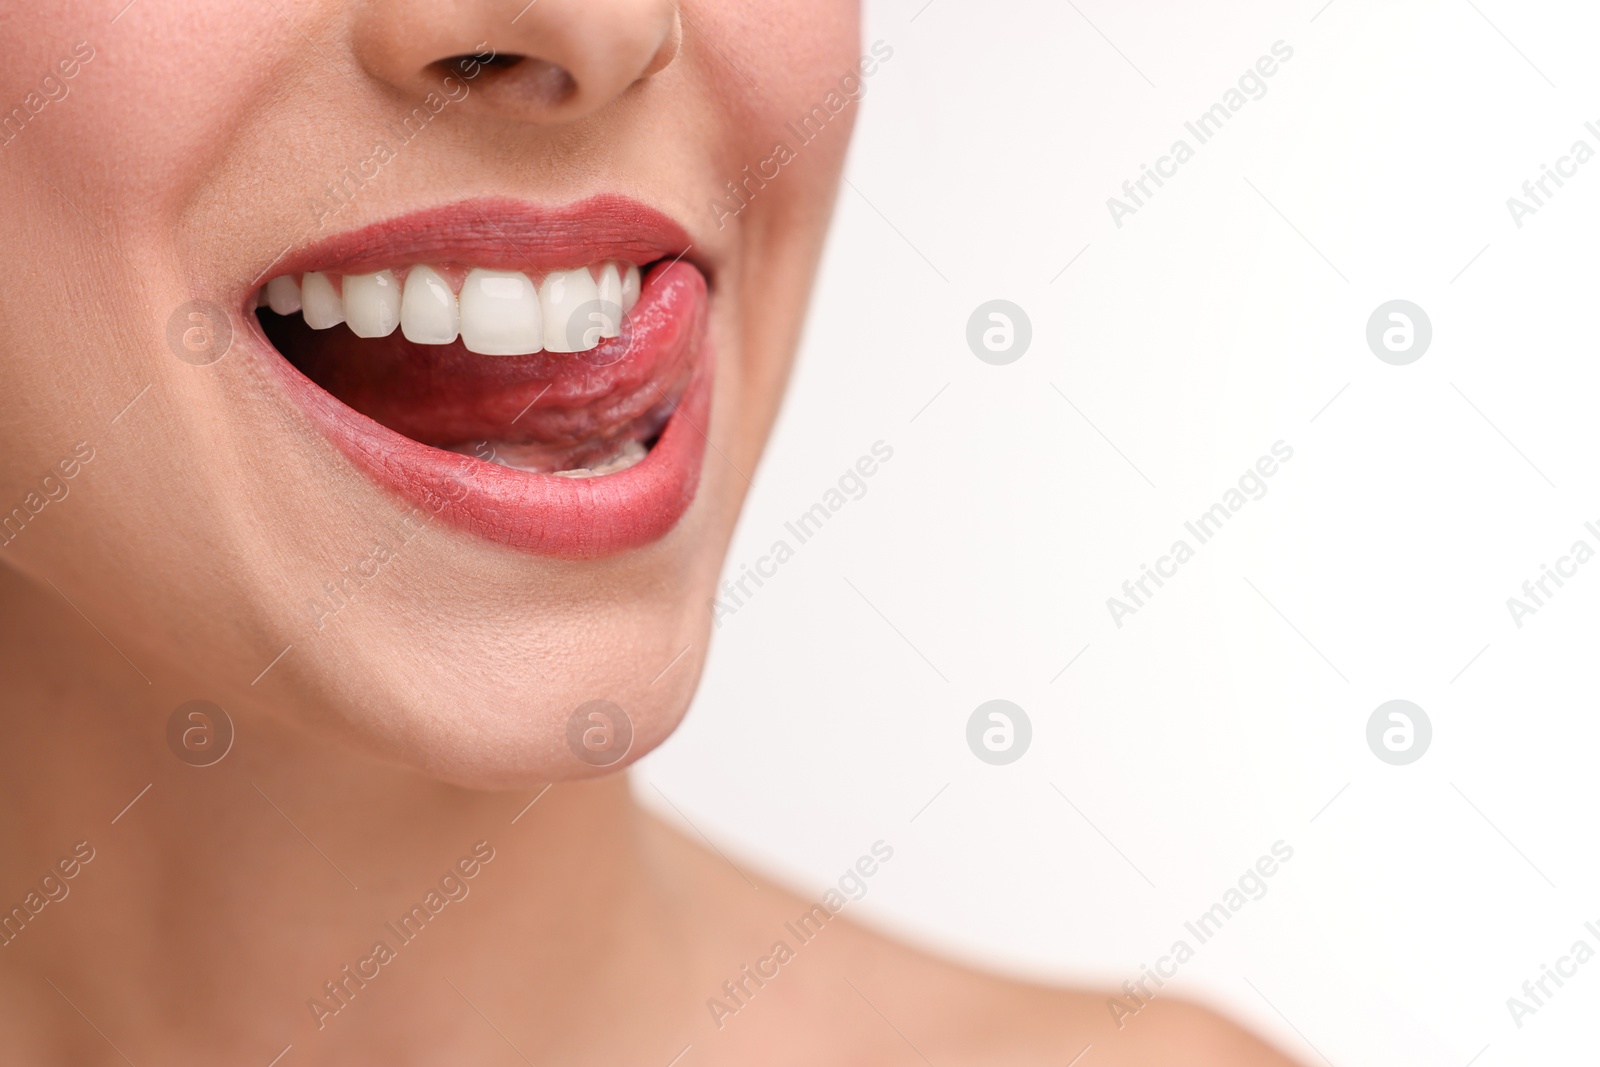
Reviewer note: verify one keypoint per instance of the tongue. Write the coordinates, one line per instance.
(549, 412)
(545, 412)
(444, 395)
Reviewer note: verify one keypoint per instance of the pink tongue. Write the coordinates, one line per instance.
(543, 412)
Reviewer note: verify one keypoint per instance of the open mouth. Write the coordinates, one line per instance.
(537, 376)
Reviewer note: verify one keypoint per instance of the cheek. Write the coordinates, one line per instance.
(780, 60)
(153, 108)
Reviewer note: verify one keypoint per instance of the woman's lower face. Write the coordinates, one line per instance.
(410, 360)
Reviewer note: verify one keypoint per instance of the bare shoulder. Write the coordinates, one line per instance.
(972, 1016)
(788, 980)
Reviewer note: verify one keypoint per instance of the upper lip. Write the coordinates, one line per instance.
(499, 234)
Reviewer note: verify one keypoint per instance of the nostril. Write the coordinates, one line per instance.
(525, 80)
(471, 66)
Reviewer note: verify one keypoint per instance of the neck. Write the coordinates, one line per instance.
(294, 892)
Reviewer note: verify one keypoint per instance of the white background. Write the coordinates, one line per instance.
(1228, 713)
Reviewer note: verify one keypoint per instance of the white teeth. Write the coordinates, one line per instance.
(372, 303)
(322, 306)
(500, 314)
(610, 296)
(630, 288)
(568, 298)
(428, 314)
(283, 295)
(496, 313)
(628, 455)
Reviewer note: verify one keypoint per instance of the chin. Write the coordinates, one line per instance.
(481, 707)
(494, 739)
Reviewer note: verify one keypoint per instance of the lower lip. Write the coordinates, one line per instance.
(574, 518)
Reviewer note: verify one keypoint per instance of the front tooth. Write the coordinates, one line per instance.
(610, 290)
(372, 303)
(283, 295)
(321, 305)
(630, 288)
(500, 313)
(428, 314)
(567, 299)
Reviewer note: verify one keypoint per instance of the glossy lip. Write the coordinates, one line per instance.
(499, 234)
(539, 513)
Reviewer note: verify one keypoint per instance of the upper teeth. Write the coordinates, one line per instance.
(494, 312)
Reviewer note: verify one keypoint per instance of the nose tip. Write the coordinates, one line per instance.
(552, 61)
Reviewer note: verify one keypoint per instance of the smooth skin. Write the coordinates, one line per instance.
(188, 151)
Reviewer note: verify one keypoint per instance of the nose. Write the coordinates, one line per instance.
(549, 61)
